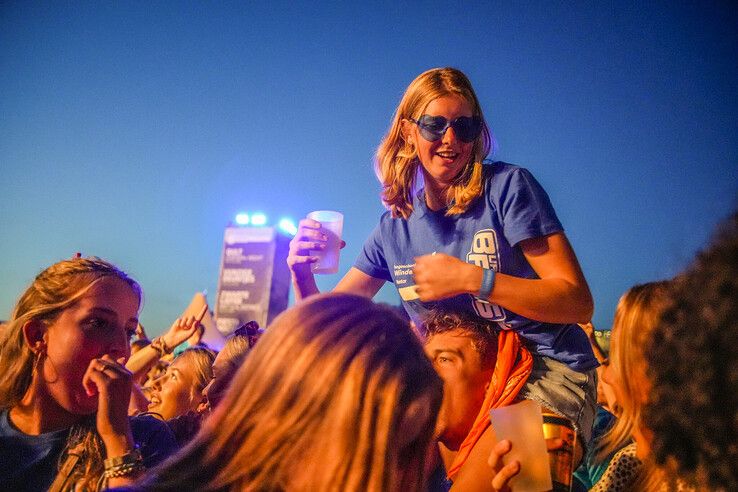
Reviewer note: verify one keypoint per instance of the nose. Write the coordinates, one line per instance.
(449, 136)
(156, 385)
(206, 389)
(119, 345)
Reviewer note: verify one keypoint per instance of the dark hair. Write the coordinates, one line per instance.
(483, 333)
(693, 366)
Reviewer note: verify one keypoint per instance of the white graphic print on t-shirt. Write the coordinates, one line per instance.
(483, 253)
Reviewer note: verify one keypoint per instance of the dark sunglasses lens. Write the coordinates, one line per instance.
(467, 129)
(432, 128)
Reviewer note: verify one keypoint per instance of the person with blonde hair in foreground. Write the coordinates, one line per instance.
(337, 395)
(64, 390)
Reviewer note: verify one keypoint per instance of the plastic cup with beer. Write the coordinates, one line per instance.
(331, 224)
(522, 425)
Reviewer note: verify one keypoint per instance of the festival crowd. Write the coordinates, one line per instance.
(340, 393)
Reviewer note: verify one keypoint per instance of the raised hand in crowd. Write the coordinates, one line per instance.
(309, 237)
(180, 331)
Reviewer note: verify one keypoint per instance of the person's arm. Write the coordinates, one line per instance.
(139, 403)
(473, 475)
(560, 295)
(357, 282)
(309, 237)
(182, 329)
(112, 382)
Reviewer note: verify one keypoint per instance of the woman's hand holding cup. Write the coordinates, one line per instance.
(308, 237)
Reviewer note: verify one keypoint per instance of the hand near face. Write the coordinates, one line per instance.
(112, 382)
(438, 276)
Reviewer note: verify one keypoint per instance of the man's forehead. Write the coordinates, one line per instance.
(456, 337)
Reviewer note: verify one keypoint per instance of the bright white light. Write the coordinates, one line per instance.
(242, 218)
(258, 219)
(288, 226)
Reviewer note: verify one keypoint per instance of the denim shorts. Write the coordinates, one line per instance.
(564, 391)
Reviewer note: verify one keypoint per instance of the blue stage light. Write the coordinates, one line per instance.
(288, 226)
(258, 219)
(242, 218)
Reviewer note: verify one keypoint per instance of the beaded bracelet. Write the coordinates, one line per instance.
(131, 457)
(160, 346)
(124, 465)
(124, 470)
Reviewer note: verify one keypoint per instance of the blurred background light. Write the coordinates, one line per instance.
(242, 218)
(288, 226)
(258, 219)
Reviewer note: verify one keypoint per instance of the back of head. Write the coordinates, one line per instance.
(229, 359)
(337, 395)
(52, 291)
(693, 367)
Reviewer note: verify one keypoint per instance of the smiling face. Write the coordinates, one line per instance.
(445, 158)
(465, 378)
(100, 323)
(175, 392)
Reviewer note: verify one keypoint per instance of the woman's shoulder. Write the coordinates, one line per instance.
(503, 180)
(502, 169)
(154, 437)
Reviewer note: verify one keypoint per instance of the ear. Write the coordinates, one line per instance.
(34, 334)
(407, 131)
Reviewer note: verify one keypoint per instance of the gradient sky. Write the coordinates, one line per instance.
(135, 131)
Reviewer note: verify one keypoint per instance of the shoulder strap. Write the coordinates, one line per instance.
(74, 456)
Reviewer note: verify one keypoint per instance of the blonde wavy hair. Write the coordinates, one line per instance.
(637, 314)
(397, 164)
(336, 396)
(55, 289)
(199, 360)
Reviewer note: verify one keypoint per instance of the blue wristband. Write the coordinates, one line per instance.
(488, 283)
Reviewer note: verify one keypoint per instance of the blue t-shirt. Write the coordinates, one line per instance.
(30, 463)
(514, 207)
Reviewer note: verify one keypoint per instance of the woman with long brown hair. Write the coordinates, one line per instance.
(64, 392)
(636, 317)
(337, 395)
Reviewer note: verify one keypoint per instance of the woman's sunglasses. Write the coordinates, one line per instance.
(432, 128)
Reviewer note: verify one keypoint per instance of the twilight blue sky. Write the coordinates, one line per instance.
(135, 131)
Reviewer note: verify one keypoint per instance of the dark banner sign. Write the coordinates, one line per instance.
(252, 284)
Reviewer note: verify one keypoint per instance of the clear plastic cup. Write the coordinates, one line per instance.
(522, 425)
(331, 223)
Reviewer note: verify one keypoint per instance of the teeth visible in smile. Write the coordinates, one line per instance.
(447, 155)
